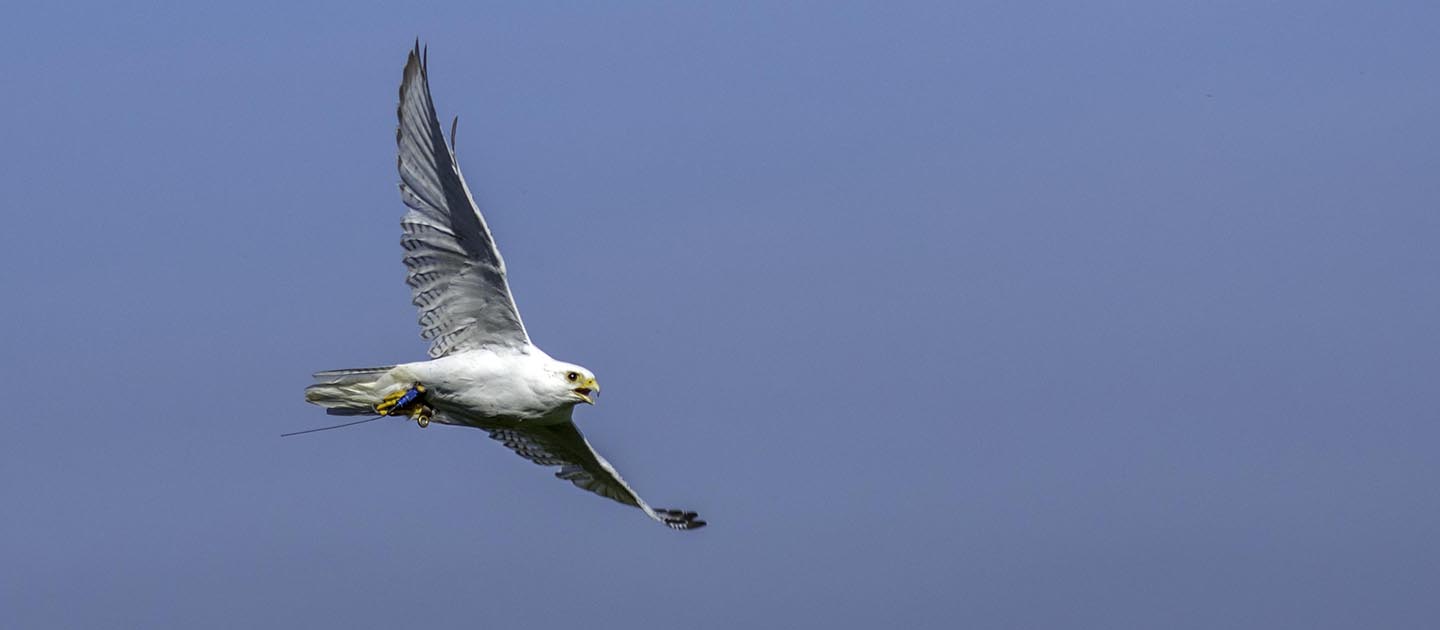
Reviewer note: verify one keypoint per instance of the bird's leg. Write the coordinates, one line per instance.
(409, 402)
(402, 402)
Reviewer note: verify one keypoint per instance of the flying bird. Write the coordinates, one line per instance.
(484, 371)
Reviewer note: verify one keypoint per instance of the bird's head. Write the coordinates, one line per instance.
(577, 382)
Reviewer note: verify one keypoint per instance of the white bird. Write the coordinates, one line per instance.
(484, 372)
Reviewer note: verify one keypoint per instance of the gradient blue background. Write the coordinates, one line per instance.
(1000, 314)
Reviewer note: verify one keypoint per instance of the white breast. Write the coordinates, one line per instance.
(504, 384)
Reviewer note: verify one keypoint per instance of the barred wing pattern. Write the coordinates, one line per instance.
(455, 272)
(562, 445)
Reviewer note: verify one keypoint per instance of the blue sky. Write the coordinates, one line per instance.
(1102, 314)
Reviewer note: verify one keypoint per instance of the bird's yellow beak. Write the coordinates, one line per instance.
(587, 390)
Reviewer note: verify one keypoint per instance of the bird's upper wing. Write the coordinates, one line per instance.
(562, 445)
(455, 272)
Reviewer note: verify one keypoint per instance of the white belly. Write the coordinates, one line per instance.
(486, 384)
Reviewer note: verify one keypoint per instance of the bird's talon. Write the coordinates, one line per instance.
(406, 401)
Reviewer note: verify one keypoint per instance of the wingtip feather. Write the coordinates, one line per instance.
(681, 520)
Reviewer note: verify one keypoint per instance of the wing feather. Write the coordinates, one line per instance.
(563, 445)
(456, 275)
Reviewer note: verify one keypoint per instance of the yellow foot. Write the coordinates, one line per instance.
(405, 401)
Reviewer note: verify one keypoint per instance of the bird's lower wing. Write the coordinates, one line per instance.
(562, 445)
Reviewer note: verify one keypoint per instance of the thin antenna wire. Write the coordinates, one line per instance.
(338, 426)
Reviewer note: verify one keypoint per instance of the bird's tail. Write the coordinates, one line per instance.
(352, 392)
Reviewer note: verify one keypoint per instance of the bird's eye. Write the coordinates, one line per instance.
(572, 376)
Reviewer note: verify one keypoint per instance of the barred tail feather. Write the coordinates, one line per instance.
(332, 376)
(350, 392)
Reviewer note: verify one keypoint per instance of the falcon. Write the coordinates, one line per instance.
(483, 372)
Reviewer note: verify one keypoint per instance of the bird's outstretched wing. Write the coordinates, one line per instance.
(562, 445)
(456, 276)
